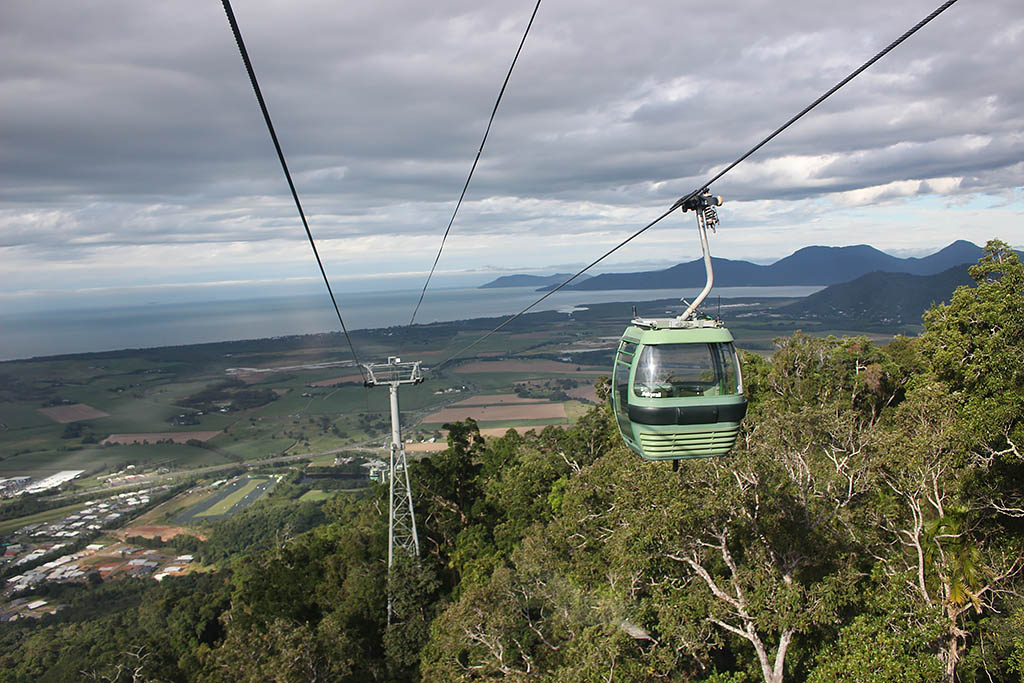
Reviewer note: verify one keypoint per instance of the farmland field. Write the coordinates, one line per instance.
(499, 413)
(250, 400)
(586, 392)
(426, 447)
(522, 429)
(496, 399)
(153, 437)
(337, 380)
(72, 413)
(526, 367)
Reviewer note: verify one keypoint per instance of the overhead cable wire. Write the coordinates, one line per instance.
(287, 173)
(911, 31)
(682, 201)
(465, 187)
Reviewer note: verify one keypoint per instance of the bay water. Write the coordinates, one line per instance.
(111, 327)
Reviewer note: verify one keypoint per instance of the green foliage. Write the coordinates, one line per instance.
(259, 526)
(232, 393)
(413, 589)
(975, 344)
(289, 488)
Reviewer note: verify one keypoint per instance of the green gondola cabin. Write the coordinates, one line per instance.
(677, 391)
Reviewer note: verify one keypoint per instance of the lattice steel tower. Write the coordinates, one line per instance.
(401, 518)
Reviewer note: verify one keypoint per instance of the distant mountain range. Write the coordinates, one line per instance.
(539, 281)
(883, 297)
(861, 282)
(808, 266)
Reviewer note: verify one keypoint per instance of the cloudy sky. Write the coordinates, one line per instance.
(133, 153)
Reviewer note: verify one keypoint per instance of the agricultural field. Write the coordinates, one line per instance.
(154, 437)
(536, 412)
(179, 409)
(495, 399)
(72, 413)
(526, 367)
(498, 432)
(417, 447)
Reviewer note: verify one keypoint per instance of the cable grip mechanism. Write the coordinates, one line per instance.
(703, 204)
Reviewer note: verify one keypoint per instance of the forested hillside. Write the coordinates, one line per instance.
(879, 297)
(869, 526)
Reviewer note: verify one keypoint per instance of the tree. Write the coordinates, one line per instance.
(890, 641)
(975, 344)
(445, 487)
(413, 591)
(955, 467)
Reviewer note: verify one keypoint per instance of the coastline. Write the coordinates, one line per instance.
(28, 335)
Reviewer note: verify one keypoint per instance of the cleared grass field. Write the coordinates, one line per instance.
(129, 414)
(317, 495)
(254, 448)
(499, 413)
(496, 399)
(21, 415)
(435, 447)
(526, 424)
(527, 367)
(34, 438)
(48, 516)
(574, 410)
(72, 413)
(587, 392)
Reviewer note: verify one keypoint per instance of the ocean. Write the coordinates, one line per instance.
(109, 328)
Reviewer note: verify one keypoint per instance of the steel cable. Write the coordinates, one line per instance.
(465, 187)
(287, 174)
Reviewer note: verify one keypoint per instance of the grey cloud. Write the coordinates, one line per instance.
(137, 124)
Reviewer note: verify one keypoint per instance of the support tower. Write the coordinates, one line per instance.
(401, 518)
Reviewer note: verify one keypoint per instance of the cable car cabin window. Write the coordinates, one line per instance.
(682, 370)
(731, 382)
(623, 361)
(622, 392)
(622, 381)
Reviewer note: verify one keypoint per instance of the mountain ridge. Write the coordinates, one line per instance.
(813, 265)
(886, 297)
(521, 280)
